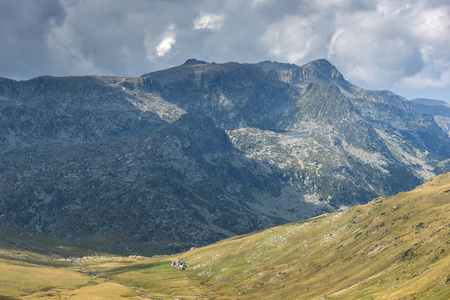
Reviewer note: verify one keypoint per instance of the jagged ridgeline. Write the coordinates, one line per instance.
(196, 153)
(332, 140)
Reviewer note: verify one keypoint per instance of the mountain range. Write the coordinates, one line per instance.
(335, 142)
(437, 108)
(186, 156)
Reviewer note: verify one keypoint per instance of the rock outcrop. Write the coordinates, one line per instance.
(189, 155)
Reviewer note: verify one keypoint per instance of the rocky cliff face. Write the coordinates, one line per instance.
(71, 109)
(182, 186)
(144, 165)
(347, 145)
(232, 94)
(437, 108)
(90, 161)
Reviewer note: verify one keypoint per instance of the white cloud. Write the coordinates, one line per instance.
(209, 21)
(374, 43)
(379, 44)
(336, 35)
(395, 44)
(435, 74)
(165, 45)
(292, 39)
(366, 58)
(159, 47)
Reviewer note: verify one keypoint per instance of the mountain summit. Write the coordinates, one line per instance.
(320, 70)
(189, 155)
(354, 145)
(323, 71)
(194, 61)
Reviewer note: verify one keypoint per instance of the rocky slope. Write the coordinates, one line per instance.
(346, 146)
(233, 95)
(90, 161)
(390, 248)
(145, 164)
(437, 108)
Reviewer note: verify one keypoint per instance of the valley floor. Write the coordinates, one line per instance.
(394, 248)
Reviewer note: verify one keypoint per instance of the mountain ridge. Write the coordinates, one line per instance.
(189, 155)
(430, 102)
(318, 100)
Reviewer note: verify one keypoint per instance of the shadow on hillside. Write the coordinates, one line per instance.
(139, 267)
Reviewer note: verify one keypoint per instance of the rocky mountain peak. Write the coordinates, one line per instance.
(148, 159)
(318, 71)
(321, 70)
(193, 61)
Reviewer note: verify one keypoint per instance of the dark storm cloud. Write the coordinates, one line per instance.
(23, 25)
(379, 44)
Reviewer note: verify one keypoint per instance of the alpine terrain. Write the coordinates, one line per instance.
(390, 248)
(438, 108)
(187, 156)
(333, 141)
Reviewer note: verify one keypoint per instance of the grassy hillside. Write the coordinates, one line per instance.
(394, 248)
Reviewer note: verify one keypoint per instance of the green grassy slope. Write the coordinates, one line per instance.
(394, 248)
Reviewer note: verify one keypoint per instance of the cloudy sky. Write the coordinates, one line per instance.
(400, 45)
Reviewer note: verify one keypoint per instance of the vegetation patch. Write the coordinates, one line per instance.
(392, 261)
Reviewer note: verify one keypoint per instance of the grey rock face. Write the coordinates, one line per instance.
(96, 167)
(361, 143)
(144, 165)
(180, 187)
(233, 95)
(437, 108)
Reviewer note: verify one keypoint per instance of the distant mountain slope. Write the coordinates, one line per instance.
(437, 108)
(233, 95)
(144, 165)
(394, 248)
(432, 107)
(90, 161)
(72, 109)
(361, 143)
(429, 102)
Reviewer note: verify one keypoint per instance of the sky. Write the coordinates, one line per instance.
(399, 45)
